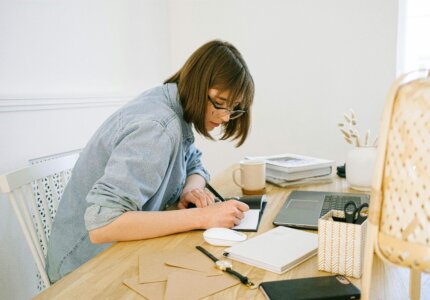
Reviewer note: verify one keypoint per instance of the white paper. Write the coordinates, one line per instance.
(250, 221)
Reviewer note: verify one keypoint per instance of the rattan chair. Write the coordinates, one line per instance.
(399, 214)
(34, 193)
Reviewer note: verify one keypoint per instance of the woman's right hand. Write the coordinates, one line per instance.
(223, 214)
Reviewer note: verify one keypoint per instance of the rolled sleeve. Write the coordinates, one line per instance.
(133, 173)
(194, 163)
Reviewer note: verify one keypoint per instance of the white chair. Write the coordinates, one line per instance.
(34, 193)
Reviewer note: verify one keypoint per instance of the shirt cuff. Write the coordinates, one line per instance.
(97, 216)
(201, 172)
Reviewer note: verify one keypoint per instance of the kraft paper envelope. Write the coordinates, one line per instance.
(153, 267)
(152, 291)
(195, 261)
(195, 285)
(178, 285)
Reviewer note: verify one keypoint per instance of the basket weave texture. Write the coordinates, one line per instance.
(341, 245)
(404, 236)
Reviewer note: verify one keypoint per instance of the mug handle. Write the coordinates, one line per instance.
(235, 177)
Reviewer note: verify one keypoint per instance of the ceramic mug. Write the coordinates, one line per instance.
(252, 177)
(360, 164)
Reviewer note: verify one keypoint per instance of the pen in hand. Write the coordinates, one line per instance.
(213, 191)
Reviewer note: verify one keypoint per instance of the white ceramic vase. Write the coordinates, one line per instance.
(360, 164)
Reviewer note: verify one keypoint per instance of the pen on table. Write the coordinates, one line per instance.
(213, 191)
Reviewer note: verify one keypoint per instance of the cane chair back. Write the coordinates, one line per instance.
(404, 234)
(400, 202)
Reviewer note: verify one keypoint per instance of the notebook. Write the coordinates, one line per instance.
(276, 250)
(252, 218)
(327, 287)
(302, 209)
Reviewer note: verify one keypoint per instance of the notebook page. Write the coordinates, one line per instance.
(250, 221)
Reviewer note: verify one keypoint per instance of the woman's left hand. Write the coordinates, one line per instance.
(197, 196)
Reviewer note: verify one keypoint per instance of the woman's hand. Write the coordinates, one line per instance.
(223, 214)
(197, 196)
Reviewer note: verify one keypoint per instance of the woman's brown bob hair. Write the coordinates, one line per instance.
(216, 64)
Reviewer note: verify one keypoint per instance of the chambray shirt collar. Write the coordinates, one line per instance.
(172, 94)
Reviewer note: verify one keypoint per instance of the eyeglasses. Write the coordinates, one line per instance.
(222, 111)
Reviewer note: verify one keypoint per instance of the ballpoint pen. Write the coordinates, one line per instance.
(213, 191)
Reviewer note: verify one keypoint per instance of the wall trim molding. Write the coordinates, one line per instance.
(50, 103)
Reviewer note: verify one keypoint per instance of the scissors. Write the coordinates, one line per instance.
(354, 216)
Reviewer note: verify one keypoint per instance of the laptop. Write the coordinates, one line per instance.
(302, 209)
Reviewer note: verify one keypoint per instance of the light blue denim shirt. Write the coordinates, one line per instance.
(137, 160)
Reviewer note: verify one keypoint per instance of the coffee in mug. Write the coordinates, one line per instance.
(252, 177)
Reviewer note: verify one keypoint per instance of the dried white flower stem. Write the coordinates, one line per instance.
(350, 132)
(366, 138)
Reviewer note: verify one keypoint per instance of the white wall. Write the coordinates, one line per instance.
(67, 55)
(311, 61)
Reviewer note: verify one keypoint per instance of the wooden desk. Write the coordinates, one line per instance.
(101, 277)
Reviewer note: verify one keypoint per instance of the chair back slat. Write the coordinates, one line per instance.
(44, 193)
(18, 197)
(64, 178)
(25, 200)
(39, 216)
(57, 190)
(60, 183)
(26, 222)
(30, 238)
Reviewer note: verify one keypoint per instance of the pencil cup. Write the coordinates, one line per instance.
(252, 177)
(341, 245)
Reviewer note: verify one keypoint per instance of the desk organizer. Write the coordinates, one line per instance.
(340, 245)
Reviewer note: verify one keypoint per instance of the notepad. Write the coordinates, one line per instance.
(277, 250)
(252, 218)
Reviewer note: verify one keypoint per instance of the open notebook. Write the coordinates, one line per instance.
(256, 204)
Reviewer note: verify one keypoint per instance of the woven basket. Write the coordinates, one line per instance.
(340, 245)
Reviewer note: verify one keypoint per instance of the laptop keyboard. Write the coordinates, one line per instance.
(337, 202)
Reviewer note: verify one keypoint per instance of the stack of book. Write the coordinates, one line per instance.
(292, 169)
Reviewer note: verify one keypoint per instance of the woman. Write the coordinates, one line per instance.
(143, 159)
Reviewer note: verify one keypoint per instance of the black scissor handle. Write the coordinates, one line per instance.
(359, 217)
(350, 214)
